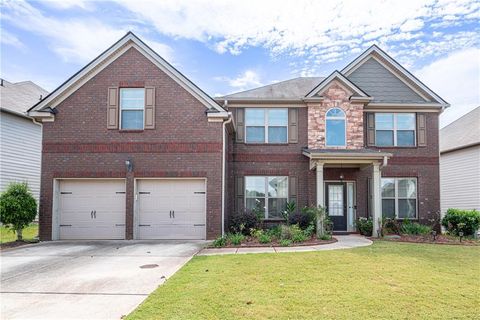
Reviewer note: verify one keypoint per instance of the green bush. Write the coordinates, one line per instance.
(365, 226)
(244, 221)
(220, 242)
(235, 238)
(285, 243)
(456, 220)
(326, 237)
(414, 228)
(18, 207)
(298, 235)
(264, 238)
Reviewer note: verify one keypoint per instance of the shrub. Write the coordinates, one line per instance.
(244, 221)
(298, 235)
(18, 207)
(309, 231)
(220, 242)
(235, 238)
(365, 226)
(285, 232)
(304, 218)
(325, 237)
(456, 220)
(274, 232)
(391, 225)
(290, 208)
(414, 228)
(264, 238)
(285, 243)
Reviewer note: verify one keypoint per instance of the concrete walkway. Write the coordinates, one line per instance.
(344, 242)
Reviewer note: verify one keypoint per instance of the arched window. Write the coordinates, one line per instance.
(335, 128)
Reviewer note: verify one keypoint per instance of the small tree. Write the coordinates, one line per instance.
(18, 207)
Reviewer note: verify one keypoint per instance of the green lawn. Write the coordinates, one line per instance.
(384, 281)
(29, 233)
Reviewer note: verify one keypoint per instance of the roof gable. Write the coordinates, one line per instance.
(385, 79)
(336, 76)
(103, 60)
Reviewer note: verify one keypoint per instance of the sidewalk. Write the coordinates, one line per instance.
(344, 242)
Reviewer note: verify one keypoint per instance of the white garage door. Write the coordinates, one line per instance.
(92, 209)
(171, 209)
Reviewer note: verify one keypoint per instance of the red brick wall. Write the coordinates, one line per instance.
(183, 143)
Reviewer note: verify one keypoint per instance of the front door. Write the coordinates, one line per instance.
(337, 204)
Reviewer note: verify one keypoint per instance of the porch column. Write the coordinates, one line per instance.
(376, 192)
(320, 191)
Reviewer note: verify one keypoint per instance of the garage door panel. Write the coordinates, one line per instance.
(168, 232)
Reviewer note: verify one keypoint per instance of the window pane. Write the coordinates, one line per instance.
(405, 138)
(255, 186)
(407, 188)
(277, 134)
(335, 132)
(407, 208)
(384, 121)
(132, 119)
(384, 138)
(256, 203)
(255, 134)
(277, 117)
(336, 113)
(405, 121)
(278, 187)
(132, 98)
(388, 208)
(275, 207)
(388, 188)
(255, 117)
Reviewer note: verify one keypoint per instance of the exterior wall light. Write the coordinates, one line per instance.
(129, 165)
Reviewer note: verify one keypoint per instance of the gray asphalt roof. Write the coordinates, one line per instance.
(20, 96)
(462, 132)
(295, 88)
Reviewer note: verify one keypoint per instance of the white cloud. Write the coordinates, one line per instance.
(412, 25)
(74, 40)
(246, 80)
(456, 78)
(10, 39)
(69, 4)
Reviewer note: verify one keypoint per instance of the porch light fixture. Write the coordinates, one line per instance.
(129, 165)
(341, 173)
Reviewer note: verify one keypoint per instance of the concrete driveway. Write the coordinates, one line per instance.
(86, 279)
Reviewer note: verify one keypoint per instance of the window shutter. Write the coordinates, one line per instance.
(370, 129)
(421, 130)
(112, 108)
(239, 194)
(292, 190)
(240, 119)
(149, 107)
(293, 125)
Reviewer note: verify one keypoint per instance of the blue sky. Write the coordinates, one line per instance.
(229, 46)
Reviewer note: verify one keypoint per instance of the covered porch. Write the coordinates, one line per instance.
(345, 178)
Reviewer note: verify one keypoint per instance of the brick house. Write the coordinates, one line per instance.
(134, 150)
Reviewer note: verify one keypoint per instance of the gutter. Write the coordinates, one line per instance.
(224, 133)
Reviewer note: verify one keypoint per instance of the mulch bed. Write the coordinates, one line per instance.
(440, 239)
(15, 244)
(253, 243)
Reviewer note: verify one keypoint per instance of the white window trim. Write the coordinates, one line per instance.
(266, 193)
(265, 125)
(344, 118)
(395, 144)
(396, 197)
(121, 109)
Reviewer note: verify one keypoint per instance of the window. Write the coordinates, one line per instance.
(335, 130)
(132, 103)
(395, 129)
(399, 198)
(266, 125)
(268, 194)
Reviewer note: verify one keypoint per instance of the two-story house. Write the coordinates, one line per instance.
(132, 149)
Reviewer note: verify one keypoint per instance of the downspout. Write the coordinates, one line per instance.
(224, 127)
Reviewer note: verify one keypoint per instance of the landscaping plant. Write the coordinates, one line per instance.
(365, 226)
(220, 242)
(414, 228)
(246, 220)
(290, 208)
(466, 221)
(18, 208)
(235, 238)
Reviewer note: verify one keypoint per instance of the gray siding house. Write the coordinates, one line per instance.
(20, 136)
(460, 163)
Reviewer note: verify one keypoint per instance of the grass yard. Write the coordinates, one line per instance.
(384, 281)
(29, 233)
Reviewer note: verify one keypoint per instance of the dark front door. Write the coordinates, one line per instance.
(336, 200)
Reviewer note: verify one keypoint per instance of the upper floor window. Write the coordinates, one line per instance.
(335, 128)
(395, 129)
(266, 125)
(266, 194)
(132, 104)
(399, 198)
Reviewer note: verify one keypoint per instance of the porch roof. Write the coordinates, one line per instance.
(347, 156)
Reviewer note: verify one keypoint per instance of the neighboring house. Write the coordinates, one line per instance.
(20, 136)
(134, 150)
(460, 163)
